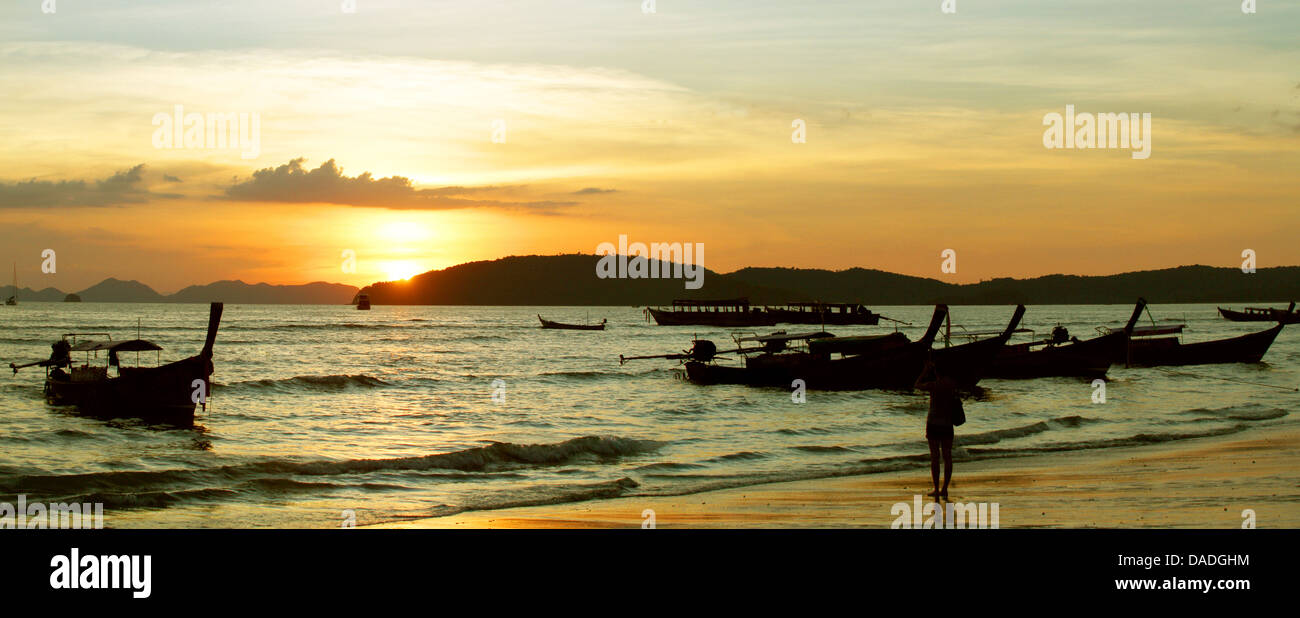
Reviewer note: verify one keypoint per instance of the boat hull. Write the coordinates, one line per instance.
(711, 318)
(547, 324)
(895, 368)
(889, 363)
(1091, 358)
(829, 318)
(163, 394)
(1275, 315)
(1159, 351)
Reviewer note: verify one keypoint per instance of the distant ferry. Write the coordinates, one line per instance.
(738, 312)
(363, 302)
(839, 314)
(732, 312)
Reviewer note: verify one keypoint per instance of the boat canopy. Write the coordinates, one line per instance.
(854, 344)
(733, 302)
(824, 305)
(785, 337)
(132, 345)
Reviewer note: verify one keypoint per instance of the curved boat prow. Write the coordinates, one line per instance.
(214, 321)
(1137, 314)
(940, 313)
(1015, 322)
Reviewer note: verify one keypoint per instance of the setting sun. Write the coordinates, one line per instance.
(398, 270)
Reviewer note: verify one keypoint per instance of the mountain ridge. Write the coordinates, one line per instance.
(114, 290)
(570, 279)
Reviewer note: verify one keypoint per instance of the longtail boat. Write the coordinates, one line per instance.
(1150, 348)
(1063, 355)
(562, 326)
(166, 393)
(888, 361)
(1263, 314)
(734, 312)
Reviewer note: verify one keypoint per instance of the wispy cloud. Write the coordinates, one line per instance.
(124, 187)
(327, 184)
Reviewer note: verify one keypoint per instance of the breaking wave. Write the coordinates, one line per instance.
(308, 383)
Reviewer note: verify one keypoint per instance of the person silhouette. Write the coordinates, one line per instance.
(944, 403)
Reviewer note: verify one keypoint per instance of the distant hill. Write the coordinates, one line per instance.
(118, 291)
(233, 292)
(547, 280)
(238, 292)
(572, 280)
(28, 294)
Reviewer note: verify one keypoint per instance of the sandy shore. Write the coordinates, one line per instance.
(1199, 483)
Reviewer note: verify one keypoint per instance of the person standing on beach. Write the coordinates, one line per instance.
(945, 407)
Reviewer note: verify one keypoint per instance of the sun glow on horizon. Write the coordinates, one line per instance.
(400, 270)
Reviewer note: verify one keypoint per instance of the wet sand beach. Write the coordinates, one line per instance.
(1199, 483)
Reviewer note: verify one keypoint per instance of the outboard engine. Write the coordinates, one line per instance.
(60, 354)
(703, 350)
(1060, 334)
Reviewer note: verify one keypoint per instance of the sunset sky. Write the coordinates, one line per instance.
(924, 132)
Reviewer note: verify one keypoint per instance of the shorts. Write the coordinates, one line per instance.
(938, 432)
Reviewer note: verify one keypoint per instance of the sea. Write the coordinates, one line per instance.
(325, 416)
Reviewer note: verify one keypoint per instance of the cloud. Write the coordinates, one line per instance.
(292, 183)
(593, 191)
(124, 187)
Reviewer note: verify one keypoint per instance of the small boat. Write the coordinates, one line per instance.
(1263, 314)
(1150, 348)
(728, 313)
(363, 302)
(72, 298)
(166, 393)
(837, 314)
(776, 364)
(883, 361)
(1154, 352)
(887, 361)
(1063, 355)
(562, 326)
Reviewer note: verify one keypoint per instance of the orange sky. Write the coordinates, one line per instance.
(923, 132)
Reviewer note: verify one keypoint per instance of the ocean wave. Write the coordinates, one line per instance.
(307, 383)
(495, 457)
(1250, 412)
(536, 496)
(321, 326)
(151, 499)
(817, 448)
(741, 455)
(1134, 440)
(667, 465)
(998, 435)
